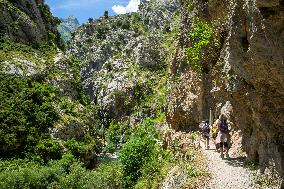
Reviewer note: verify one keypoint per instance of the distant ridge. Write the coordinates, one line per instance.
(67, 27)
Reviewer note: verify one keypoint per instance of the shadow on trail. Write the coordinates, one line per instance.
(211, 149)
(236, 162)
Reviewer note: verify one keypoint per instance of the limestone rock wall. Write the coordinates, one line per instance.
(248, 75)
(253, 56)
(185, 102)
(121, 54)
(27, 21)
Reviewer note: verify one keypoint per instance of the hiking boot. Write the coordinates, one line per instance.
(208, 147)
(222, 156)
(227, 156)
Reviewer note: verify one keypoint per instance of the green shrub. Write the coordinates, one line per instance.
(102, 30)
(138, 152)
(78, 149)
(193, 171)
(107, 176)
(202, 37)
(64, 173)
(27, 112)
(117, 134)
(37, 54)
(48, 149)
(26, 174)
(23, 174)
(77, 177)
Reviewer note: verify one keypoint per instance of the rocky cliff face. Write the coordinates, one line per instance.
(245, 82)
(27, 21)
(254, 53)
(124, 61)
(29, 51)
(125, 58)
(67, 27)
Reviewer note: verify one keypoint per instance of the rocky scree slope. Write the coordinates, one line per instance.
(124, 60)
(242, 79)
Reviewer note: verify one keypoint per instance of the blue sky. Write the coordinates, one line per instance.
(84, 9)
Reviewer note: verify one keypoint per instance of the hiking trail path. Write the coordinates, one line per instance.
(227, 173)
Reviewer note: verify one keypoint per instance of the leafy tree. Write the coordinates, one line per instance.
(117, 134)
(90, 20)
(26, 113)
(48, 149)
(137, 152)
(106, 14)
(202, 38)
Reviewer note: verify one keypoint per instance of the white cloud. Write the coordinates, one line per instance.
(131, 7)
(118, 9)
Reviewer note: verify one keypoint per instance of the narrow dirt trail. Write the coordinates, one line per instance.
(227, 173)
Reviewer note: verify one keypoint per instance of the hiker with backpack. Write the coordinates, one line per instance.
(205, 130)
(223, 135)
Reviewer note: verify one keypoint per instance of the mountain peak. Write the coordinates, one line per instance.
(68, 26)
(73, 19)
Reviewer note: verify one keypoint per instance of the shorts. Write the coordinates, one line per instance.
(222, 137)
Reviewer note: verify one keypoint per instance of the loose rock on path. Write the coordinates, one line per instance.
(227, 173)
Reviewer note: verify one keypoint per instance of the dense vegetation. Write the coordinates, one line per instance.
(33, 105)
(67, 172)
(26, 114)
(203, 46)
(52, 135)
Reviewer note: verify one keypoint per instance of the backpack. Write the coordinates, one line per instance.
(206, 128)
(224, 126)
(214, 129)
